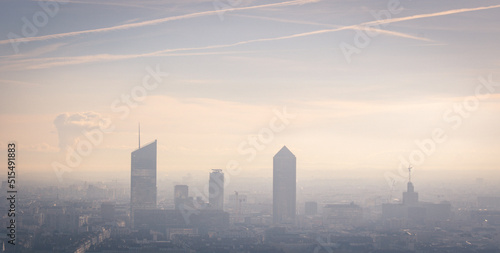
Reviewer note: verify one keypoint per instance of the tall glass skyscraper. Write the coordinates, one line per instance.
(284, 187)
(143, 178)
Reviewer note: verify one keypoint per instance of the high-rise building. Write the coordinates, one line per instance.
(181, 193)
(216, 190)
(284, 187)
(143, 178)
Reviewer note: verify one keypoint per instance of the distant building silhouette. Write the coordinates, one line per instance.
(163, 220)
(335, 215)
(488, 202)
(143, 178)
(410, 197)
(412, 211)
(108, 212)
(311, 208)
(284, 187)
(237, 206)
(181, 193)
(216, 190)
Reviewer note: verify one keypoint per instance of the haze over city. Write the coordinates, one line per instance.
(326, 118)
(229, 69)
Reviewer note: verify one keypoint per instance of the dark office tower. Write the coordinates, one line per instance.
(143, 178)
(216, 190)
(181, 193)
(284, 187)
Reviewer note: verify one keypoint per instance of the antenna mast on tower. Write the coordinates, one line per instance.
(409, 173)
(139, 135)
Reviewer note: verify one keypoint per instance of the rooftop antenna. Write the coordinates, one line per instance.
(139, 135)
(409, 173)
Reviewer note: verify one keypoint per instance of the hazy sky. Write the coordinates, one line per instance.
(359, 98)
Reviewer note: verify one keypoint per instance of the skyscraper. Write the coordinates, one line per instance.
(181, 193)
(284, 187)
(216, 190)
(143, 178)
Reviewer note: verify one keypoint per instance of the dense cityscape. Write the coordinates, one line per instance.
(109, 217)
(268, 126)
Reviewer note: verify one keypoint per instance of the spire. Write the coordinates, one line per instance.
(139, 135)
(410, 187)
(409, 173)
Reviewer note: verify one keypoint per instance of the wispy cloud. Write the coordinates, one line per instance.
(36, 52)
(152, 22)
(64, 61)
(44, 63)
(16, 83)
(42, 147)
(121, 4)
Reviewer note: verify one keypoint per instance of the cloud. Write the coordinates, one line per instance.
(44, 63)
(151, 22)
(41, 147)
(70, 127)
(37, 52)
(17, 83)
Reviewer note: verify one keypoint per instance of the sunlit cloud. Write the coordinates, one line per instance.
(42, 147)
(70, 127)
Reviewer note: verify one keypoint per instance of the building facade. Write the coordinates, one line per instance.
(216, 190)
(143, 178)
(284, 187)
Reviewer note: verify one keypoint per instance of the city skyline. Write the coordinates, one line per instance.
(391, 109)
(209, 91)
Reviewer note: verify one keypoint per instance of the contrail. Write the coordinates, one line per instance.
(419, 16)
(102, 3)
(151, 22)
(44, 63)
(356, 27)
(63, 61)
